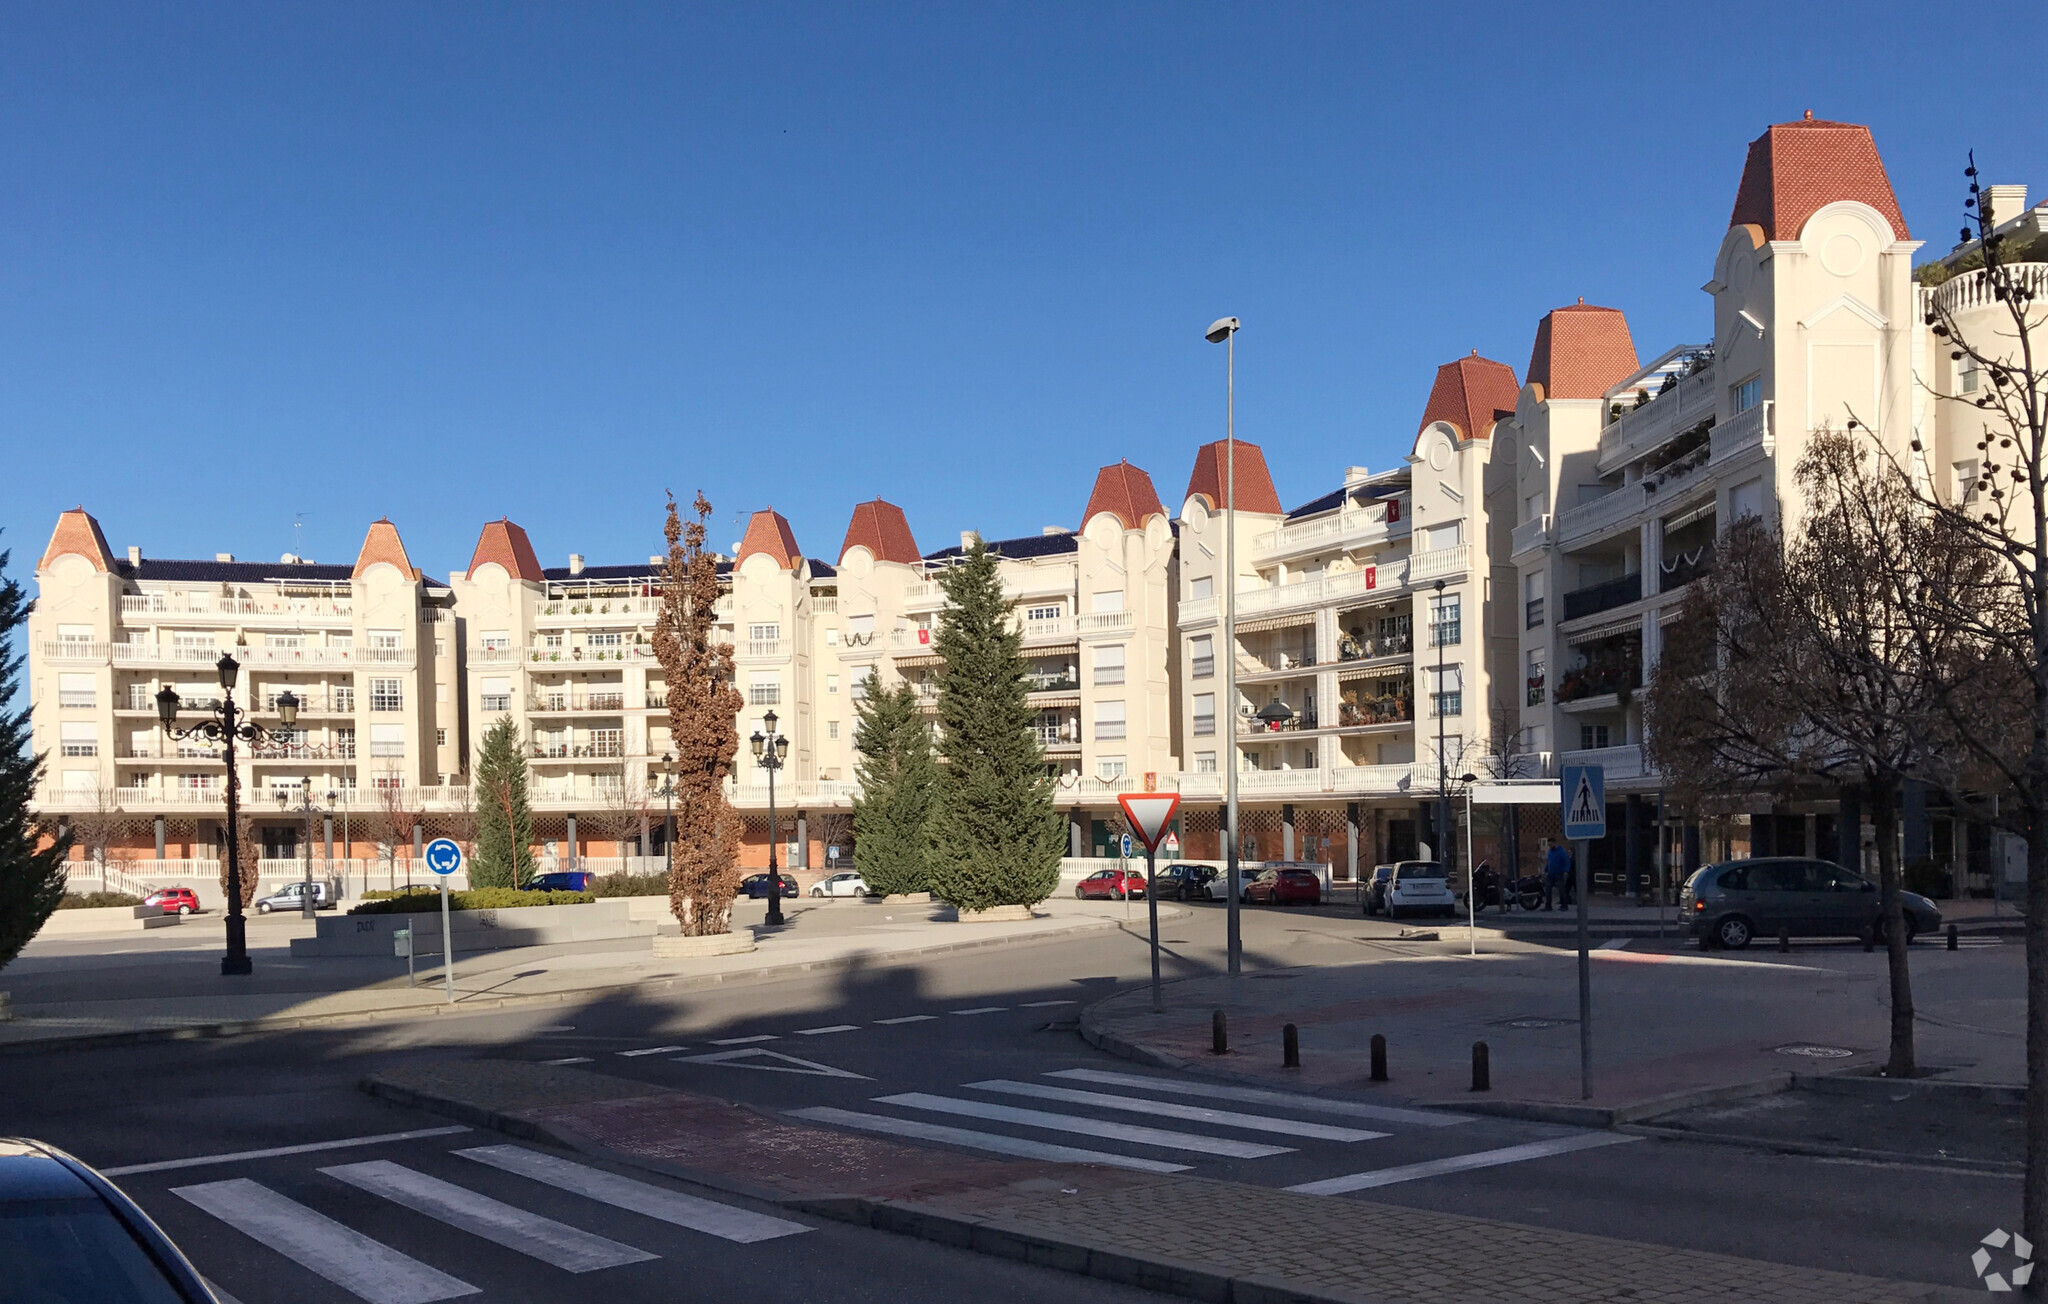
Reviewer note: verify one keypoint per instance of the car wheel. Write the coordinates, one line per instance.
(184, 910)
(262, 907)
(1734, 932)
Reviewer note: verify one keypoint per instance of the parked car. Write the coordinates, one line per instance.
(756, 885)
(292, 897)
(849, 884)
(567, 880)
(1187, 883)
(74, 1238)
(1731, 903)
(1372, 895)
(1282, 887)
(174, 900)
(1419, 887)
(1110, 884)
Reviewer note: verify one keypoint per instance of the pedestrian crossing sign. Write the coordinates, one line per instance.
(1584, 788)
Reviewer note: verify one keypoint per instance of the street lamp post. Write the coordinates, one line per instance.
(309, 808)
(1224, 331)
(668, 811)
(1443, 760)
(224, 724)
(770, 750)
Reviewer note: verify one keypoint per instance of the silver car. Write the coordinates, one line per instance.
(848, 885)
(292, 897)
(1731, 903)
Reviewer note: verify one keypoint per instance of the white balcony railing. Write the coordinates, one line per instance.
(1348, 528)
(1641, 430)
(1742, 432)
(1618, 762)
(75, 650)
(1969, 290)
(1053, 629)
(1104, 622)
(1530, 535)
(213, 604)
(1440, 563)
(1604, 513)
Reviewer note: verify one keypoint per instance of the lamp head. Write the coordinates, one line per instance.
(287, 708)
(768, 722)
(781, 748)
(1468, 778)
(757, 742)
(167, 706)
(1220, 330)
(228, 668)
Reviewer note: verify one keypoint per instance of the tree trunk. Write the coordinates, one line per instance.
(2034, 1192)
(1878, 798)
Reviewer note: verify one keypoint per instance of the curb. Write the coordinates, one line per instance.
(482, 1005)
(1820, 1150)
(1606, 1117)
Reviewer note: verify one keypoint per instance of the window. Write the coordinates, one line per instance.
(1446, 620)
(496, 640)
(1202, 586)
(387, 695)
(1746, 499)
(1109, 720)
(1202, 657)
(345, 697)
(75, 690)
(345, 744)
(1966, 477)
(609, 639)
(440, 737)
(1447, 690)
(1205, 762)
(1592, 736)
(764, 690)
(831, 728)
(387, 740)
(1537, 683)
(1532, 595)
(1109, 665)
(1749, 393)
(140, 698)
(388, 782)
(859, 689)
(1536, 504)
(764, 639)
(551, 642)
(1107, 600)
(83, 634)
(290, 641)
(342, 642)
(197, 782)
(1440, 537)
(1111, 768)
(1205, 715)
(1043, 611)
(440, 647)
(608, 742)
(860, 630)
(82, 738)
(385, 640)
(1970, 374)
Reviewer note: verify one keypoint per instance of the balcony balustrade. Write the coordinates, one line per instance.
(1605, 596)
(1641, 430)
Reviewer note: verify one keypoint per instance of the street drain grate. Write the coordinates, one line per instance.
(1817, 1052)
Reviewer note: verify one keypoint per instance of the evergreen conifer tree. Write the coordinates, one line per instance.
(31, 876)
(504, 825)
(897, 773)
(996, 838)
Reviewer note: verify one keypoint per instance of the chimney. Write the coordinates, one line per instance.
(575, 563)
(967, 538)
(223, 556)
(134, 555)
(656, 560)
(1356, 475)
(2005, 202)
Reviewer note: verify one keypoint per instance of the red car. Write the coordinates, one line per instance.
(174, 900)
(1282, 887)
(1111, 884)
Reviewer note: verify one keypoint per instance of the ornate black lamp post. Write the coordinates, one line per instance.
(223, 725)
(770, 750)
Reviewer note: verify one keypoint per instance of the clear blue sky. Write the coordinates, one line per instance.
(451, 261)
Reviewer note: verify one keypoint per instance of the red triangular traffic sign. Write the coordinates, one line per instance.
(1149, 814)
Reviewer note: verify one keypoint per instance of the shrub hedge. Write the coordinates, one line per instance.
(96, 900)
(628, 885)
(482, 898)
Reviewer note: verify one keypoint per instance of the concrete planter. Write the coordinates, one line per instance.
(675, 947)
(475, 930)
(997, 915)
(907, 899)
(107, 919)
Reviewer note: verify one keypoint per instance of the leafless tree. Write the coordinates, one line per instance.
(394, 814)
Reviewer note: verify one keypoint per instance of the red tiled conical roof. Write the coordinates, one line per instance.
(1796, 168)
(1471, 394)
(382, 544)
(768, 532)
(1126, 492)
(1581, 351)
(883, 530)
(77, 532)
(506, 544)
(1255, 492)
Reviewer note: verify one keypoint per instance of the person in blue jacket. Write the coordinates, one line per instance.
(1557, 871)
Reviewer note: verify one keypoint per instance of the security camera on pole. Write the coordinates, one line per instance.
(1149, 814)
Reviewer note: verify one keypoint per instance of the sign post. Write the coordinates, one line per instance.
(1149, 813)
(444, 857)
(1123, 866)
(1583, 789)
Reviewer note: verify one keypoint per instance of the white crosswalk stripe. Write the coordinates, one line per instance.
(1260, 1096)
(908, 1018)
(674, 1207)
(1176, 1110)
(367, 1269)
(651, 1050)
(531, 1234)
(1095, 1127)
(1462, 1163)
(992, 1142)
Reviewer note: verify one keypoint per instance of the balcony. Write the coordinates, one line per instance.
(1374, 647)
(590, 751)
(82, 650)
(211, 605)
(1688, 566)
(1642, 430)
(1061, 683)
(1530, 535)
(1349, 528)
(494, 656)
(1606, 596)
(1378, 711)
(755, 648)
(1600, 678)
(1340, 781)
(1605, 513)
(1741, 433)
(1440, 564)
(597, 611)
(560, 702)
(1105, 622)
(1618, 762)
(1057, 629)
(1966, 291)
(1326, 589)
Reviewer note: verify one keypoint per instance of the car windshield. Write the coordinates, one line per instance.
(76, 1252)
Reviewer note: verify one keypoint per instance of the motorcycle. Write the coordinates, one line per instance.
(1494, 890)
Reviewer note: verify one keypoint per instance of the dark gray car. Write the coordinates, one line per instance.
(1733, 902)
(69, 1236)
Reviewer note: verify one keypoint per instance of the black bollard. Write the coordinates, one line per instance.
(1482, 1067)
(1951, 937)
(1784, 939)
(1870, 937)
(1219, 1033)
(1379, 1058)
(1290, 1048)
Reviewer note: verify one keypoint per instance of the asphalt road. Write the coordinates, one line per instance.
(958, 1042)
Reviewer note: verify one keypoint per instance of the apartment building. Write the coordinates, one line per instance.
(367, 649)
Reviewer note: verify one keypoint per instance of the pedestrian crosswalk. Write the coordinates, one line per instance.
(371, 1270)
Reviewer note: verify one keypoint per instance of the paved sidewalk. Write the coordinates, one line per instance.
(1147, 1230)
(304, 993)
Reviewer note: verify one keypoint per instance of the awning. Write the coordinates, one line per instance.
(1687, 517)
(1633, 624)
(910, 661)
(1262, 623)
(1392, 670)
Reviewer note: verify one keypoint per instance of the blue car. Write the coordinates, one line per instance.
(565, 881)
(756, 885)
(69, 1235)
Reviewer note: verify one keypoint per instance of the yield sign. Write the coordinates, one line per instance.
(1149, 814)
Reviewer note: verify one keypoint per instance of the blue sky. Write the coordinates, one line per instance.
(447, 262)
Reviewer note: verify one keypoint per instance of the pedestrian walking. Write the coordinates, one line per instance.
(1557, 869)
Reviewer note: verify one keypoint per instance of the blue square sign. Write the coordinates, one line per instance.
(1584, 790)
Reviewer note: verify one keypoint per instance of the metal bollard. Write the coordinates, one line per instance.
(1784, 939)
(1219, 1034)
(1482, 1067)
(1290, 1048)
(1951, 937)
(1379, 1058)
(1869, 936)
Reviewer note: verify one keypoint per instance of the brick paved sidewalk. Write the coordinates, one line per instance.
(1174, 1234)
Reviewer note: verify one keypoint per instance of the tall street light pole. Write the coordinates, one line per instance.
(1224, 331)
(668, 811)
(224, 724)
(1443, 762)
(308, 808)
(770, 750)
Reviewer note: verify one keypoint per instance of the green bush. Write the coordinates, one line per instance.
(482, 898)
(628, 885)
(96, 900)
